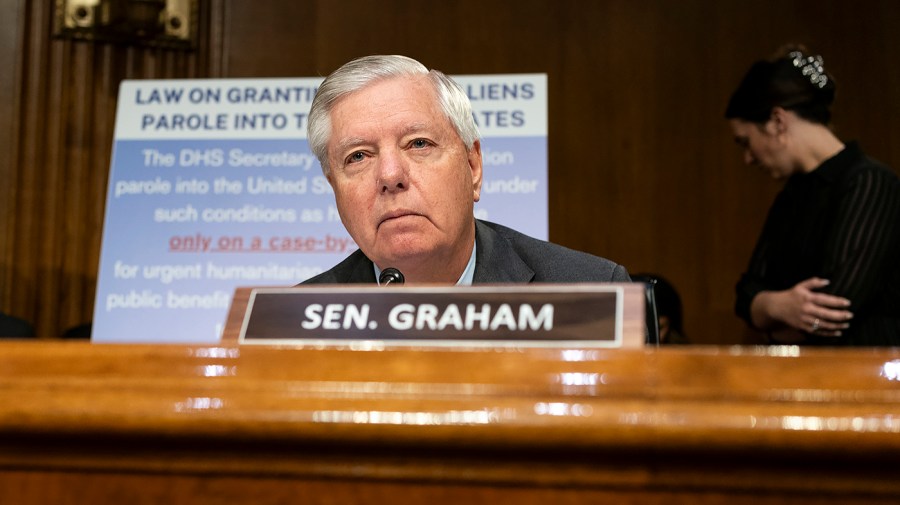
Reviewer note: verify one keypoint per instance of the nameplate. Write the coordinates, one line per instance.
(546, 315)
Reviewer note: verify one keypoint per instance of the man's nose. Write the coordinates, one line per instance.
(393, 172)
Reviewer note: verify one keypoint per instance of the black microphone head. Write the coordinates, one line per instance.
(391, 275)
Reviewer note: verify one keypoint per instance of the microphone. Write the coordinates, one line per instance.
(391, 275)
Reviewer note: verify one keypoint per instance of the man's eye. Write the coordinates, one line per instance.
(356, 157)
(419, 143)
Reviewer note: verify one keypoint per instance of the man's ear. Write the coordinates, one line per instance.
(476, 166)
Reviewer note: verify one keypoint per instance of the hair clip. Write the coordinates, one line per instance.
(810, 66)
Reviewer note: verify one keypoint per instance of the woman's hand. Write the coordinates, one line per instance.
(802, 308)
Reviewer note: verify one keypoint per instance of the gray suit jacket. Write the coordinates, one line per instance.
(502, 255)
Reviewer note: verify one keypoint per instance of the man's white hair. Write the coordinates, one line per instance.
(361, 72)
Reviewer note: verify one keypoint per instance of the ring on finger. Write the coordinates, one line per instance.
(815, 325)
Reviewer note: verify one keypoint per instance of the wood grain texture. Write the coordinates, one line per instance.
(11, 28)
(174, 424)
(642, 167)
(63, 109)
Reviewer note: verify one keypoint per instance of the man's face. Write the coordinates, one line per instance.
(403, 180)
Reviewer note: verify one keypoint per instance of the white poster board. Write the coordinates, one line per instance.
(212, 186)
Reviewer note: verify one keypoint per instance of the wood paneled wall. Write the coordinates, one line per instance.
(642, 166)
(60, 126)
(9, 38)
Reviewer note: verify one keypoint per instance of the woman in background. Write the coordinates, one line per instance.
(826, 268)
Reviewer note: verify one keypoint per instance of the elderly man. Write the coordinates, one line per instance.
(399, 146)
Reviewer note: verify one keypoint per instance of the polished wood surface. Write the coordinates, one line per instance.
(82, 423)
(643, 169)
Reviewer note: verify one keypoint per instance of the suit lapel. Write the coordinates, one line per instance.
(496, 261)
(362, 270)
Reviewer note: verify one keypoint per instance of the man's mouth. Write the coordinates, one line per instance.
(396, 214)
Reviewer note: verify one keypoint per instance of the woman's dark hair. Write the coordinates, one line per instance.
(793, 80)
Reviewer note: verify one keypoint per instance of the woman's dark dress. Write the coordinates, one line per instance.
(840, 222)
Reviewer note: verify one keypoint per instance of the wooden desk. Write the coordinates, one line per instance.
(99, 424)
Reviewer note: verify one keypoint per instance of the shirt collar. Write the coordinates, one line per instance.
(831, 168)
(468, 275)
(466, 279)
